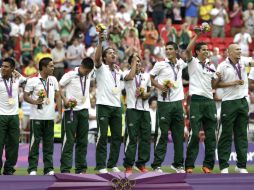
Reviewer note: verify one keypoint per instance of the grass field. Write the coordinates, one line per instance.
(22, 171)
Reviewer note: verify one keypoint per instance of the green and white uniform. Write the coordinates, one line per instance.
(9, 122)
(170, 112)
(202, 113)
(108, 114)
(138, 122)
(234, 113)
(75, 123)
(42, 122)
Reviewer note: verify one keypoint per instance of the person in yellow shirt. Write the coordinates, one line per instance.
(30, 69)
(205, 10)
(44, 53)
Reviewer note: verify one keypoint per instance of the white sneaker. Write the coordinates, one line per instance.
(178, 169)
(241, 170)
(158, 169)
(224, 171)
(50, 173)
(115, 169)
(103, 171)
(33, 173)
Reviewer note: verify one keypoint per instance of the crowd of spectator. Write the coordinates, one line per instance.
(66, 31)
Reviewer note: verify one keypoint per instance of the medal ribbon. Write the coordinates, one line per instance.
(83, 85)
(138, 83)
(9, 90)
(208, 68)
(45, 86)
(113, 73)
(174, 71)
(237, 68)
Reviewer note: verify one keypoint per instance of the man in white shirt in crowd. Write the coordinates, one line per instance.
(75, 53)
(166, 76)
(9, 120)
(219, 19)
(108, 107)
(58, 56)
(202, 106)
(76, 85)
(42, 115)
(234, 108)
(138, 120)
(243, 39)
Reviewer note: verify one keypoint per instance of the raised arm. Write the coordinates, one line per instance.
(98, 53)
(132, 72)
(191, 45)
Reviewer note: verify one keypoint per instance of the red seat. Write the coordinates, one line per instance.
(228, 40)
(228, 30)
(210, 47)
(222, 47)
(177, 26)
(160, 27)
(217, 40)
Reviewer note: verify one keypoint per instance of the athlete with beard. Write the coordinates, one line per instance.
(234, 108)
(108, 107)
(202, 106)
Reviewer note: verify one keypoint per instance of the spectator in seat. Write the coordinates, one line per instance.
(216, 57)
(151, 36)
(168, 32)
(248, 17)
(243, 39)
(192, 8)
(236, 21)
(219, 19)
(205, 10)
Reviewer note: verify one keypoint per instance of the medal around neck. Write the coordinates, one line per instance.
(47, 101)
(115, 90)
(11, 101)
(83, 100)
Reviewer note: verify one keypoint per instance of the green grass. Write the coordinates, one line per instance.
(23, 171)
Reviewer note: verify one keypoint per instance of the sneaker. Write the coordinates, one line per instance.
(142, 169)
(241, 170)
(115, 170)
(82, 173)
(158, 169)
(103, 171)
(128, 170)
(224, 171)
(189, 170)
(178, 169)
(206, 170)
(33, 173)
(50, 173)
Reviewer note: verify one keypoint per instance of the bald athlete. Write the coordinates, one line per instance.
(234, 108)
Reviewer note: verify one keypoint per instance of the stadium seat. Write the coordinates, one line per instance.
(217, 40)
(228, 40)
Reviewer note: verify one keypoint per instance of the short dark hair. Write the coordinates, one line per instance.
(198, 47)
(170, 43)
(104, 53)
(44, 62)
(131, 57)
(10, 60)
(88, 63)
(151, 99)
